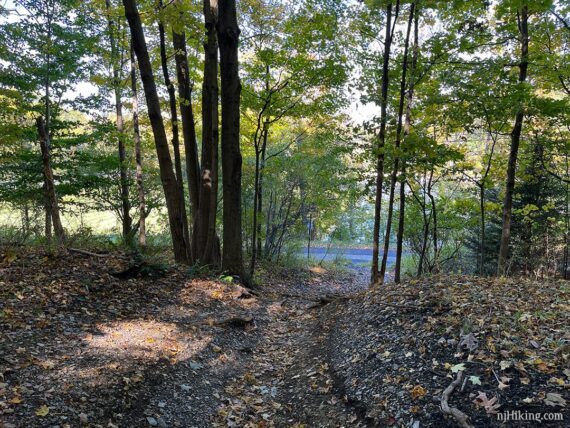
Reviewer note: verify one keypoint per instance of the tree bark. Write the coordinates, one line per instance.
(407, 126)
(187, 116)
(257, 191)
(515, 142)
(138, 153)
(167, 177)
(205, 241)
(260, 191)
(174, 125)
(381, 142)
(397, 148)
(482, 232)
(435, 266)
(228, 38)
(123, 172)
(51, 195)
(47, 112)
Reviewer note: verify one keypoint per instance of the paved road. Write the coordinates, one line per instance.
(354, 256)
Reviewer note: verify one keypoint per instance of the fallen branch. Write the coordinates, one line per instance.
(236, 322)
(86, 253)
(461, 418)
(325, 300)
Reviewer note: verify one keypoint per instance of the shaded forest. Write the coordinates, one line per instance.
(257, 167)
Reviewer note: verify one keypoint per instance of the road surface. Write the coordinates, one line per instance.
(361, 257)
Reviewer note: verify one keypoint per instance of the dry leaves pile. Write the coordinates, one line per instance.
(80, 347)
(400, 346)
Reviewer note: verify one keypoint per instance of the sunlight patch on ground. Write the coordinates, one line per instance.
(318, 270)
(148, 340)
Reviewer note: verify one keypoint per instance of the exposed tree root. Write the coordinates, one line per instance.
(461, 418)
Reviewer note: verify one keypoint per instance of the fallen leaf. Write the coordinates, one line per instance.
(490, 405)
(553, 399)
(42, 411)
(475, 380)
(469, 342)
(418, 391)
(458, 368)
(505, 364)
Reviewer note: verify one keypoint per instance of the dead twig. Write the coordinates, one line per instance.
(461, 418)
(87, 253)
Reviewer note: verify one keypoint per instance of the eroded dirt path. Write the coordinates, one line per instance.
(80, 347)
(288, 380)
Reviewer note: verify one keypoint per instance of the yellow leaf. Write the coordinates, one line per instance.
(556, 380)
(16, 400)
(418, 391)
(42, 411)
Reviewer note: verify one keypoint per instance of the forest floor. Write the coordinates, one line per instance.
(86, 342)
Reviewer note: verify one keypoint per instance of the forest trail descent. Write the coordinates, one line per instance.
(171, 350)
(81, 345)
(288, 381)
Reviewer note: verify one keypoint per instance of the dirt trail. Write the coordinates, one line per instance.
(87, 349)
(288, 380)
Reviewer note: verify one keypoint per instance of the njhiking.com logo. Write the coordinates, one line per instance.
(525, 416)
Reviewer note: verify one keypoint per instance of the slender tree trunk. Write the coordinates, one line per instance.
(422, 202)
(257, 202)
(47, 112)
(566, 273)
(49, 181)
(381, 143)
(167, 176)
(515, 142)
(434, 230)
(228, 37)
(138, 153)
(174, 125)
(25, 221)
(205, 241)
(397, 148)
(407, 126)
(424, 242)
(260, 192)
(187, 115)
(47, 217)
(123, 172)
(482, 234)
(254, 220)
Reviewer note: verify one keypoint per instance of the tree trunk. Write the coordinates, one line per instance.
(174, 125)
(124, 180)
(515, 142)
(381, 143)
(51, 195)
(435, 266)
(257, 189)
(260, 192)
(205, 241)
(482, 234)
(407, 126)
(187, 115)
(228, 37)
(47, 84)
(138, 154)
(397, 148)
(565, 266)
(47, 216)
(167, 177)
